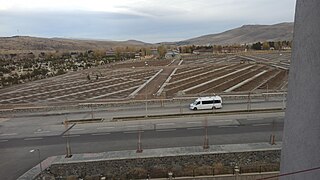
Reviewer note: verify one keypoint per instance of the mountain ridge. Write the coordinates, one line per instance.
(245, 34)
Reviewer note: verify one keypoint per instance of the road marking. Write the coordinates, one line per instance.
(76, 129)
(133, 126)
(31, 139)
(132, 132)
(164, 130)
(194, 128)
(223, 121)
(70, 136)
(105, 127)
(9, 134)
(228, 126)
(100, 134)
(40, 132)
(194, 122)
(267, 124)
(253, 119)
(3, 140)
(165, 124)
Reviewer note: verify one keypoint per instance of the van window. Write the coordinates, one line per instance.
(207, 102)
(217, 101)
(197, 103)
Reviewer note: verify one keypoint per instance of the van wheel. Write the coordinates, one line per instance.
(195, 108)
(213, 107)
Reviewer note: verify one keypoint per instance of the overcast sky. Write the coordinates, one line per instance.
(145, 20)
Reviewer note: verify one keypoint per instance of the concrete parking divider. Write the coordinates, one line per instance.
(141, 117)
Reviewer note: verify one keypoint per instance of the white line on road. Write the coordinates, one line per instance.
(194, 128)
(132, 132)
(3, 140)
(9, 134)
(100, 134)
(267, 124)
(228, 126)
(164, 130)
(253, 119)
(40, 132)
(133, 126)
(165, 124)
(70, 136)
(193, 122)
(31, 139)
(76, 129)
(223, 121)
(105, 127)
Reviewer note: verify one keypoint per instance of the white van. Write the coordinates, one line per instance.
(207, 103)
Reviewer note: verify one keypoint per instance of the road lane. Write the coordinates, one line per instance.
(16, 150)
(186, 132)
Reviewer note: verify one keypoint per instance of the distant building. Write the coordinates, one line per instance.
(286, 48)
(154, 51)
(137, 56)
(110, 53)
(171, 54)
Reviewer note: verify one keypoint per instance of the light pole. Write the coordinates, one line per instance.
(206, 139)
(139, 146)
(249, 101)
(146, 64)
(33, 150)
(68, 148)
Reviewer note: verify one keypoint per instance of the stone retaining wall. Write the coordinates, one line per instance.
(184, 165)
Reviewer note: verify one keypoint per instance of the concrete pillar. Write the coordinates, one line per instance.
(301, 140)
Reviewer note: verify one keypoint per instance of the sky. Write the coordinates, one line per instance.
(145, 20)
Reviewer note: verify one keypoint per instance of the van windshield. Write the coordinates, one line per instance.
(196, 102)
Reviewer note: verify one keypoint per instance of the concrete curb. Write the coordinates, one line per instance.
(127, 118)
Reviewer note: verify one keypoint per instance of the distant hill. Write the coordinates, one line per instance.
(49, 44)
(241, 35)
(244, 34)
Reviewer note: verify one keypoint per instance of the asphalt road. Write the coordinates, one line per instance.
(50, 123)
(16, 159)
(21, 132)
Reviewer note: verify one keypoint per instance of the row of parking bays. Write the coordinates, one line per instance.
(195, 75)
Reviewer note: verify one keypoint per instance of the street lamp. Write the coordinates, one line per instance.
(33, 150)
(146, 64)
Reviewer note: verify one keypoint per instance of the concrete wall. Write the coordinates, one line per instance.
(301, 141)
